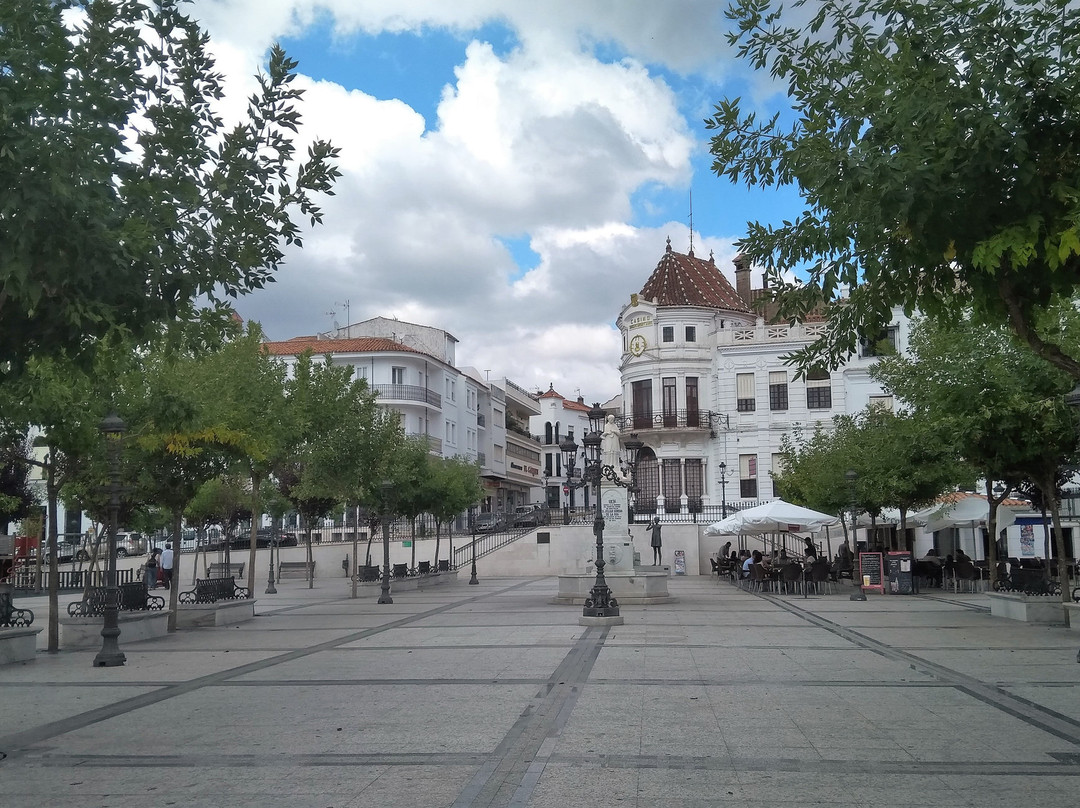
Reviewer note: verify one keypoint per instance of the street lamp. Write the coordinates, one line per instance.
(600, 602)
(387, 490)
(110, 655)
(723, 489)
(270, 588)
(851, 476)
(472, 521)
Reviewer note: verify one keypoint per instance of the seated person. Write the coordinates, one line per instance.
(783, 555)
(755, 558)
(961, 555)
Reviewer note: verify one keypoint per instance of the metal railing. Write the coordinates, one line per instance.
(408, 392)
(22, 579)
(488, 543)
(675, 419)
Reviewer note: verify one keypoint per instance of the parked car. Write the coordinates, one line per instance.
(531, 516)
(129, 544)
(487, 522)
(264, 537)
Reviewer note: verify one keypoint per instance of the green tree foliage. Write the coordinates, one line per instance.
(1001, 404)
(456, 484)
(935, 144)
(17, 498)
(123, 197)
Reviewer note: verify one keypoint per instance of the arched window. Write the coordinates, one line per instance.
(547, 433)
(648, 482)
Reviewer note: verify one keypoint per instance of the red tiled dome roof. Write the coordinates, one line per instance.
(684, 280)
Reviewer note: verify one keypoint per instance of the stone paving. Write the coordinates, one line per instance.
(490, 695)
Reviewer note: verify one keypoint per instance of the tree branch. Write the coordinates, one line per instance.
(1021, 326)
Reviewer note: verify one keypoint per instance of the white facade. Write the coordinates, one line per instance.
(704, 382)
(558, 419)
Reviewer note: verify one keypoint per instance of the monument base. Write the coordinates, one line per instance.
(629, 588)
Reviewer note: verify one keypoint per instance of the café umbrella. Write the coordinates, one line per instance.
(777, 516)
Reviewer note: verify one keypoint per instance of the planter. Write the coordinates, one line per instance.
(18, 644)
(1041, 609)
(222, 613)
(85, 632)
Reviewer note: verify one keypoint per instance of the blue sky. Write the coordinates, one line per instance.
(511, 170)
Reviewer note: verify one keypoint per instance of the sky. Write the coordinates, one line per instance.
(511, 169)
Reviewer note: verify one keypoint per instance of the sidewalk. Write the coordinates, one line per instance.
(490, 696)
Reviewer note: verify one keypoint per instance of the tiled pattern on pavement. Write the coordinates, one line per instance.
(491, 696)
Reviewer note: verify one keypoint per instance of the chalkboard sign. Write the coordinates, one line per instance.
(898, 567)
(872, 570)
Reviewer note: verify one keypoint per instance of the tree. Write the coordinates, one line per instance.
(1002, 405)
(17, 499)
(124, 198)
(935, 146)
(457, 487)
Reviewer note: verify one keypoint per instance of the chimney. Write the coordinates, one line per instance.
(742, 277)
(581, 400)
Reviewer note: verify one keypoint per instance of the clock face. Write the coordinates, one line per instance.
(637, 345)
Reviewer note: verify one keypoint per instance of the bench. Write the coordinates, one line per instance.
(444, 565)
(401, 570)
(219, 570)
(423, 568)
(10, 616)
(212, 590)
(133, 597)
(295, 569)
(1029, 581)
(369, 573)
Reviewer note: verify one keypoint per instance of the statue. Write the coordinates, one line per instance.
(610, 447)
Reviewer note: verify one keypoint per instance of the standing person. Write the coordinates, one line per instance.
(150, 573)
(725, 550)
(654, 530)
(811, 550)
(167, 565)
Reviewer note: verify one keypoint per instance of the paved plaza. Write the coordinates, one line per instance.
(490, 695)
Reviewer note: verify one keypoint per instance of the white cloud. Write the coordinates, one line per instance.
(546, 141)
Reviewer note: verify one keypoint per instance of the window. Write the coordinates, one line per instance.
(667, 333)
(361, 372)
(549, 433)
(691, 333)
(549, 464)
(777, 470)
(748, 476)
(882, 403)
(818, 390)
(778, 390)
(744, 392)
(671, 475)
(693, 416)
(397, 375)
(642, 403)
(695, 483)
(884, 344)
(671, 406)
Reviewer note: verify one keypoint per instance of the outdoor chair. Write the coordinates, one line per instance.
(820, 576)
(791, 577)
(965, 576)
(715, 568)
(758, 580)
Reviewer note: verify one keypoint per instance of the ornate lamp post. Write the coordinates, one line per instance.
(110, 655)
(600, 602)
(472, 523)
(270, 588)
(387, 489)
(723, 490)
(851, 476)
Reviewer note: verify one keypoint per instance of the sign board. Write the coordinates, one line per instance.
(898, 568)
(1027, 541)
(871, 567)
(7, 545)
(680, 562)
(613, 507)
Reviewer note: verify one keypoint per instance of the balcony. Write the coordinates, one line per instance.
(407, 392)
(678, 420)
(481, 420)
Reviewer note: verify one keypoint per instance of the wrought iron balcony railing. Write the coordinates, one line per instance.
(408, 392)
(676, 419)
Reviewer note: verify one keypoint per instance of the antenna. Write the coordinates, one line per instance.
(332, 314)
(348, 315)
(691, 221)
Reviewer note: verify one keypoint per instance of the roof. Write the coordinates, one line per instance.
(685, 280)
(568, 404)
(297, 345)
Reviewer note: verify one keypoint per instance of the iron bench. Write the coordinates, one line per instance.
(133, 597)
(10, 616)
(211, 590)
(221, 570)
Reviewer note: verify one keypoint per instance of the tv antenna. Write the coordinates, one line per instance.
(691, 221)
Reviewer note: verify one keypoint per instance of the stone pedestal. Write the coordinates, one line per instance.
(1044, 609)
(629, 588)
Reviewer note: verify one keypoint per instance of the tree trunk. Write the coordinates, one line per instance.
(1062, 558)
(307, 541)
(991, 526)
(256, 480)
(412, 528)
(435, 566)
(53, 494)
(174, 584)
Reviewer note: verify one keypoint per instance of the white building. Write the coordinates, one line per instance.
(704, 382)
(560, 418)
(412, 369)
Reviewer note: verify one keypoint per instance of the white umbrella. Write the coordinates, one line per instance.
(772, 517)
(967, 512)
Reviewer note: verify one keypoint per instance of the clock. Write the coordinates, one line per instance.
(637, 345)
